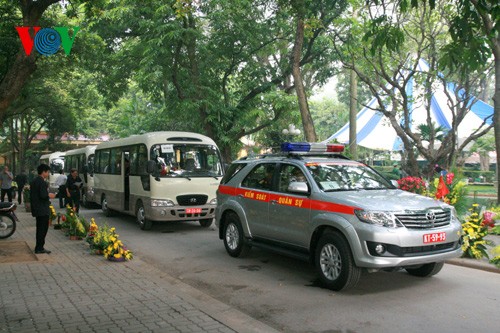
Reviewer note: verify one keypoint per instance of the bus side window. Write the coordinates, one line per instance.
(133, 160)
(142, 160)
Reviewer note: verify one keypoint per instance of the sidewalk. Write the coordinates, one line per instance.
(70, 290)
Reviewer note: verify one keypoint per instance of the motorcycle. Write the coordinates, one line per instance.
(8, 219)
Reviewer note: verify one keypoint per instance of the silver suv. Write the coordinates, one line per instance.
(339, 214)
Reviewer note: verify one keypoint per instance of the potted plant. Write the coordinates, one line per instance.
(27, 198)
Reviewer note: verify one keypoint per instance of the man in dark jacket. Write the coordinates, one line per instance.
(73, 186)
(21, 180)
(40, 203)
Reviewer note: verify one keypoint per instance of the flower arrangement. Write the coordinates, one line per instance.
(77, 225)
(26, 193)
(473, 233)
(116, 250)
(53, 213)
(412, 184)
(496, 259)
(455, 193)
(100, 239)
(93, 229)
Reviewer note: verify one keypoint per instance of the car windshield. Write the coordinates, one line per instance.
(186, 160)
(346, 176)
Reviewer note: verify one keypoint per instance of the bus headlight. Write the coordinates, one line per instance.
(213, 201)
(162, 203)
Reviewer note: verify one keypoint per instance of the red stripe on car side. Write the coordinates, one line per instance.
(298, 202)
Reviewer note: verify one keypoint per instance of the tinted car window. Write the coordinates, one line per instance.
(261, 177)
(232, 171)
(288, 174)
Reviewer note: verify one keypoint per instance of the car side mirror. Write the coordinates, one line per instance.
(395, 183)
(298, 187)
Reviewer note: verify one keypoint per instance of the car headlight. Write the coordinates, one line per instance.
(384, 219)
(162, 203)
(213, 201)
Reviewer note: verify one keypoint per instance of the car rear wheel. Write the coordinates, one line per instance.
(426, 270)
(335, 263)
(234, 239)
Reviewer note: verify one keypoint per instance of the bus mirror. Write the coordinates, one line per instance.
(151, 167)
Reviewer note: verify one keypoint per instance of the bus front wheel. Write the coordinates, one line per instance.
(144, 223)
(205, 223)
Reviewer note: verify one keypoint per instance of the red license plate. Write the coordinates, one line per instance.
(435, 237)
(193, 210)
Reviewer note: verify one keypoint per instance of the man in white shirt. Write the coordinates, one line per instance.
(61, 185)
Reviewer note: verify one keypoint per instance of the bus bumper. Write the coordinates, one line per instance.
(181, 213)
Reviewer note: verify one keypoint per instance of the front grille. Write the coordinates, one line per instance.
(416, 250)
(425, 219)
(411, 251)
(192, 200)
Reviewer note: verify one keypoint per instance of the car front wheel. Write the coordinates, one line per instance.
(234, 239)
(335, 263)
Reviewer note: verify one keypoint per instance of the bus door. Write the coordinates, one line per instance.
(126, 180)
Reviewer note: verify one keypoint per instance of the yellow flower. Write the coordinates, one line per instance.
(117, 255)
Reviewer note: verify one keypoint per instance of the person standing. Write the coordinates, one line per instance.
(21, 180)
(40, 203)
(6, 177)
(73, 186)
(61, 185)
(396, 172)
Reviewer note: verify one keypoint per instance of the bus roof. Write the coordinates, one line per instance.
(57, 154)
(84, 150)
(158, 138)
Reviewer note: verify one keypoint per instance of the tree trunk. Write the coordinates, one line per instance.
(307, 121)
(496, 113)
(353, 108)
(14, 80)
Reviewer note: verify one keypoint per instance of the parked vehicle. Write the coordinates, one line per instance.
(159, 176)
(8, 219)
(312, 203)
(82, 159)
(56, 162)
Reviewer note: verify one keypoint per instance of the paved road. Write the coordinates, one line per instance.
(73, 291)
(283, 292)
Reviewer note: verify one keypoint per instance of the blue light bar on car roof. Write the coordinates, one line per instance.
(306, 147)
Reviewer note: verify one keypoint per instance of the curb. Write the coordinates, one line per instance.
(473, 263)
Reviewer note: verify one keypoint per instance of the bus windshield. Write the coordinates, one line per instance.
(57, 164)
(186, 160)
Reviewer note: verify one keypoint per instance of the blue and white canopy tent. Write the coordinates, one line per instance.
(374, 130)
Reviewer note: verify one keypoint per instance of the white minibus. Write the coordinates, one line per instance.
(82, 159)
(159, 176)
(56, 162)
